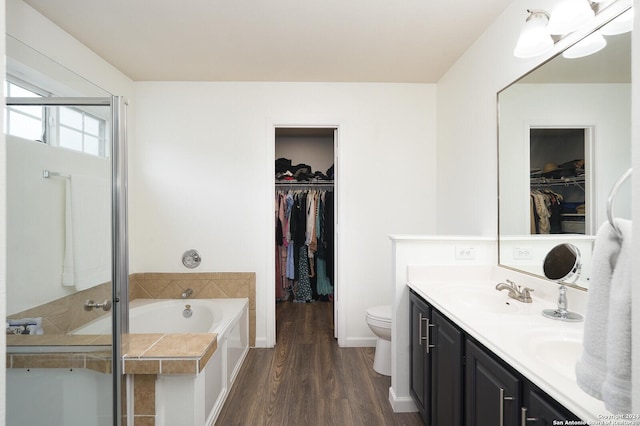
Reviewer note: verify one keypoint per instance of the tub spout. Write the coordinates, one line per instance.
(187, 293)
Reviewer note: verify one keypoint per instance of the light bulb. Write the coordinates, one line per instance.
(534, 39)
(569, 16)
(585, 47)
(621, 24)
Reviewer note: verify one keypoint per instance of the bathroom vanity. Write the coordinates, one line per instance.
(458, 368)
(479, 357)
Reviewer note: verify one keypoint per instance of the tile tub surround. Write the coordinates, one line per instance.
(143, 353)
(205, 285)
(67, 313)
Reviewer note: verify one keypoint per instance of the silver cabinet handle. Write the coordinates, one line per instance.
(501, 405)
(428, 335)
(524, 419)
(90, 304)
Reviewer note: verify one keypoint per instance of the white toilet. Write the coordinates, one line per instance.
(379, 321)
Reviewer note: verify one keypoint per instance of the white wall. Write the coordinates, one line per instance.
(203, 173)
(36, 215)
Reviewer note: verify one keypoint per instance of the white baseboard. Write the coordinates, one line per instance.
(261, 342)
(401, 404)
(350, 342)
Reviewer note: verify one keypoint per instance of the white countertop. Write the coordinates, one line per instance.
(543, 350)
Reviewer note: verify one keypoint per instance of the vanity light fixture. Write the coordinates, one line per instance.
(620, 25)
(570, 15)
(585, 47)
(534, 39)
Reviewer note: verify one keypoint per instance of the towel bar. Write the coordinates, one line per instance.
(46, 174)
(612, 195)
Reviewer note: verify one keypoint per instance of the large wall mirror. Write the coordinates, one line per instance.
(564, 138)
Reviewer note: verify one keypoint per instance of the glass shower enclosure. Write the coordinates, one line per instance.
(66, 244)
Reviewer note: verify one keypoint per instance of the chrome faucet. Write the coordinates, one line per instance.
(187, 293)
(516, 292)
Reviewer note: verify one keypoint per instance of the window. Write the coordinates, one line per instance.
(26, 122)
(81, 131)
(72, 128)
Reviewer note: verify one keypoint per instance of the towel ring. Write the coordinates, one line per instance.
(612, 196)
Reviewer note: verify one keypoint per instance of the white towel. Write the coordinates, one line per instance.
(616, 389)
(91, 204)
(591, 369)
(68, 264)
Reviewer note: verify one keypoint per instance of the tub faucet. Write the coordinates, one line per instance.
(515, 291)
(187, 293)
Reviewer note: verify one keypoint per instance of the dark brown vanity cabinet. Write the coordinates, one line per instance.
(455, 380)
(436, 365)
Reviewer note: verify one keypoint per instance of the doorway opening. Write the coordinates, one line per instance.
(561, 176)
(306, 217)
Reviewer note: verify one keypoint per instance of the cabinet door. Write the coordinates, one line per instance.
(492, 391)
(542, 410)
(420, 356)
(446, 368)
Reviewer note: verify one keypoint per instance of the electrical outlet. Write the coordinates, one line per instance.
(465, 253)
(522, 253)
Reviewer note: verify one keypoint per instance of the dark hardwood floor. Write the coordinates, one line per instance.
(308, 380)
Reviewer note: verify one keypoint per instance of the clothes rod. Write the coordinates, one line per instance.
(305, 185)
(46, 174)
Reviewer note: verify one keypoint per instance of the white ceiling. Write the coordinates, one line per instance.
(276, 40)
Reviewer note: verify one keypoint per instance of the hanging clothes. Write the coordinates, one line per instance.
(303, 244)
(546, 212)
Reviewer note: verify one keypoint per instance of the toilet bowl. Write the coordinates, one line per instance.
(379, 321)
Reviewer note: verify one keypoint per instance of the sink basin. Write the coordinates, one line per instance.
(482, 299)
(556, 349)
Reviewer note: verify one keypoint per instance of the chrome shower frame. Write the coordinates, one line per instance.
(119, 227)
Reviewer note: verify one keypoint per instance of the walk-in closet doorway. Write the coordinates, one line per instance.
(305, 220)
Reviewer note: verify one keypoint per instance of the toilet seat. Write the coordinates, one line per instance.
(380, 313)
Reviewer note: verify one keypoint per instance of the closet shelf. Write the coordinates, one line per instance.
(319, 184)
(562, 181)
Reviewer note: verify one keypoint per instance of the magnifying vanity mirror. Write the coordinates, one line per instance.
(562, 265)
(564, 137)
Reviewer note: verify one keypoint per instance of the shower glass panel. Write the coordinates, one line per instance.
(66, 244)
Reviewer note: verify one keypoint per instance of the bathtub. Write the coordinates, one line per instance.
(184, 398)
(166, 316)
